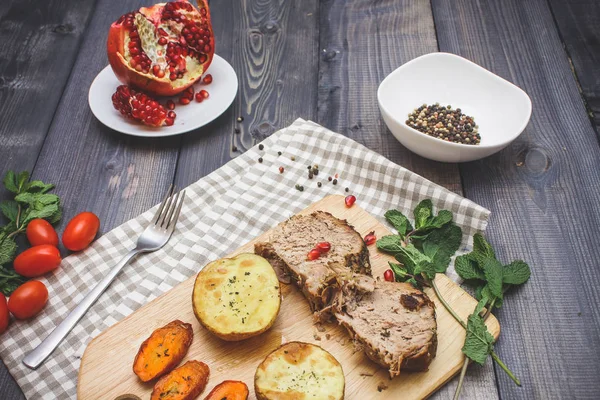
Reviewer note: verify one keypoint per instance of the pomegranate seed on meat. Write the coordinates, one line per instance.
(313, 254)
(140, 107)
(323, 247)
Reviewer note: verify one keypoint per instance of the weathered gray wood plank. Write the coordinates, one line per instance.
(38, 45)
(362, 42)
(544, 198)
(273, 47)
(578, 23)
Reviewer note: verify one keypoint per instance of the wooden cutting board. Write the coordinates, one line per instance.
(106, 367)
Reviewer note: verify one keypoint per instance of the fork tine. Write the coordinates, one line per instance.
(173, 222)
(162, 205)
(168, 206)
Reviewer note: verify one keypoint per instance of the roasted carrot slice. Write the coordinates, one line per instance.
(163, 350)
(183, 383)
(229, 390)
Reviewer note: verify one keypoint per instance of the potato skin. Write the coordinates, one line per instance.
(298, 370)
(237, 298)
(183, 383)
(163, 350)
(229, 390)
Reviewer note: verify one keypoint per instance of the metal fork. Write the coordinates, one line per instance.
(155, 236)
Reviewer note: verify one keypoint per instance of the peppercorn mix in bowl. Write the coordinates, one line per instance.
(446, 108)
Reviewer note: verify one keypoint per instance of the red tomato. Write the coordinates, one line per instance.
(37, 260)
(4, 315)
(28, 299)
(81, 231)
(39, 231)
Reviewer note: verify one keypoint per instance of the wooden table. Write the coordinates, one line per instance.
(323, 61)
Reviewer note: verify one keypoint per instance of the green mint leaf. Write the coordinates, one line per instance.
(22, 179)
(8, 249)
(410, 256)
(423, 213)
(492, 269)
(390, 244)
(482, 247)
(402, 275)
(46, 212)
(415, 283)
(443, 217)
(479, 343)
(441, 244)
(516, 273)
(10, 182)
(10, 209)
(56, 216)
(10, 281)
(467, 268)
(39, 187)
(426, 268)
(399, 221)
(37, 200)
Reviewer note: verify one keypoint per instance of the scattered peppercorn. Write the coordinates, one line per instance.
(315, 171)
(329, 179)
(293, 158)
(319, 184)
(261, 146)
(347, 190)
(336, 176)
(309, 167)
(299, 187)
(236, 130)
(281, 170)
(234, 148)
(278, 153)
(335, 181)
(310, 175)
(240, 119)
(444, 123)
(260, 159)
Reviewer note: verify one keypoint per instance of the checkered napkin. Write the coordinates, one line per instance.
(222, 211)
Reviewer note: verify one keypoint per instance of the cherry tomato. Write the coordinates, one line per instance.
(388, 275)
(28, 299)
(37, 260)
(4, 314)
(81, 231)
(39, 231)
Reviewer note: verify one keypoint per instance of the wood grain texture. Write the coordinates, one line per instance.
(273, 47)
(38, 45)
(543, 194)
(361, 43)
(238, 360)
(578, 22)
(95, 168)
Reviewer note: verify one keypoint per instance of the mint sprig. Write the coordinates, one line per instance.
(426, 250)
(31, 200)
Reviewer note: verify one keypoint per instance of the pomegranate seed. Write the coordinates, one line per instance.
(388, 275)
(171, 114)
(313, 254)
(204, 94)
(370, 238)
(349, 200)
(323, 247)
(169, 121)
(336, 176)
(170, 105)
(162, 41)
(184, 100)
(207, 79)
(199, 97)
(172, 76)
(281, 169)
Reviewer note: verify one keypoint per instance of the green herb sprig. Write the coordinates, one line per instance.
(426, 250)
(31, 201)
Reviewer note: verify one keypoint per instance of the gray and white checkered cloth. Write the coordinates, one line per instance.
(222, 211)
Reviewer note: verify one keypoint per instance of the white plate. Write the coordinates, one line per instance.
(222, 91)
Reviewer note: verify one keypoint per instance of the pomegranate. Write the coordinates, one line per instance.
(350, 200)
(313, 254)
(207, 80)
(162, 49)
(323, 247)
(388, 275)
(370, 238)
(141, 107)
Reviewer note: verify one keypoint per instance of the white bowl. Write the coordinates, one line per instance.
(501, 109)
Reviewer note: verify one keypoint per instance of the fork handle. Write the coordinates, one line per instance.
(37, 356)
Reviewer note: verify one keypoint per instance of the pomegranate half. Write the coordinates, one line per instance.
(163, 49)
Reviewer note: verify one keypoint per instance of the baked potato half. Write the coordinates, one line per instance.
(237, 298)
(299, 370)
(163, 350)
